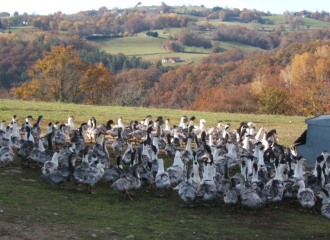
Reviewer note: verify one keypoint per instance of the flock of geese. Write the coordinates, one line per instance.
(268, 172)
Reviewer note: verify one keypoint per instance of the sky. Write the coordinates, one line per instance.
(43, 7)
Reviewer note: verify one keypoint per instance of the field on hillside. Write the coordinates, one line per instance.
(19, 29)
(153, 48)
(33, 209)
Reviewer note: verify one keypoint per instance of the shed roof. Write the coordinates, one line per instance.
(321, 120)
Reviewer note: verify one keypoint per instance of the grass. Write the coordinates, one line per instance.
(33, 209)
(19, 29)
(153, 48)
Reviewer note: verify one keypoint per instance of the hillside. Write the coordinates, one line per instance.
(153, 49)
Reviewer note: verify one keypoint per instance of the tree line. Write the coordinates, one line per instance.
(291, 81)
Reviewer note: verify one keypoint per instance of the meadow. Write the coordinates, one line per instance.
(19, 29)
(153, 48)
(33, 209)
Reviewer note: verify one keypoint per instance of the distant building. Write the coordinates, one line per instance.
(170, 59)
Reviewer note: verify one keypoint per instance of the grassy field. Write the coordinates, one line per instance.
(19, 29)
(33, 209)
(153, 48)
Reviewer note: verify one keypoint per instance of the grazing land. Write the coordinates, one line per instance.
(153, 48)
(19, 29)
(33, 209)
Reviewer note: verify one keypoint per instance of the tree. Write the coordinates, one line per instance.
(165, 8)
(216, 47)
(307, 79)
(56, 77)
(15, 13)
(97, 84)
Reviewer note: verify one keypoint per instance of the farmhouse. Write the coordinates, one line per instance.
(170, 59)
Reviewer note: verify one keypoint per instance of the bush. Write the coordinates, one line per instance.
(152, 34)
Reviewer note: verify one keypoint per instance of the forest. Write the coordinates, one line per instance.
(290, 77)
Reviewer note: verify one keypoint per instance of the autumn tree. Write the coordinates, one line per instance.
(307, 79)
(56, 77)
(97, 84)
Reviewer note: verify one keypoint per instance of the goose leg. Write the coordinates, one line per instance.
(270, 207)
(127, 194)
(241, 210)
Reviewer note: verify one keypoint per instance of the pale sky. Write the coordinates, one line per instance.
(73, 6)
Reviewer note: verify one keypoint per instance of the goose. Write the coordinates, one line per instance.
(162, 179)
(70, 125)
(6, 140)
(199, 149)
(37, 152)
(26, 147)
(113, 132)
(186, 155)
(2, 129)
(167, 129)
(49, 130)
(232, 196)
(60, 136)
(61, 174)
(79, 171)
(318, 184)
(183, 122)
(50, 166)
(15, 137)
(196, 179)
(176, 171)
(201, 128)
(187, 190)
(6, 156)
(47, 154)
(56, 126)
(275, 186)
(98, 147)
(102, 158)
(147, 121)
(298, 173)
(145, 157)
(207, 189)
(64, 154)
(93, 131)
(91, 176)
(224, 183)
(37, 127)
(128, 181)
(258, 185)
(169, 149)
(249, 197)
(306, 196)
(114, 172)
(138, 134)
(262, 128)
(118, 143)
(159, 137)
(147, 178)
(154, 160)
(127, 154)
(325, 209)
(79, 139)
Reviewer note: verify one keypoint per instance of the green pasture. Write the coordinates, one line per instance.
(33, 209)
(19, 29)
